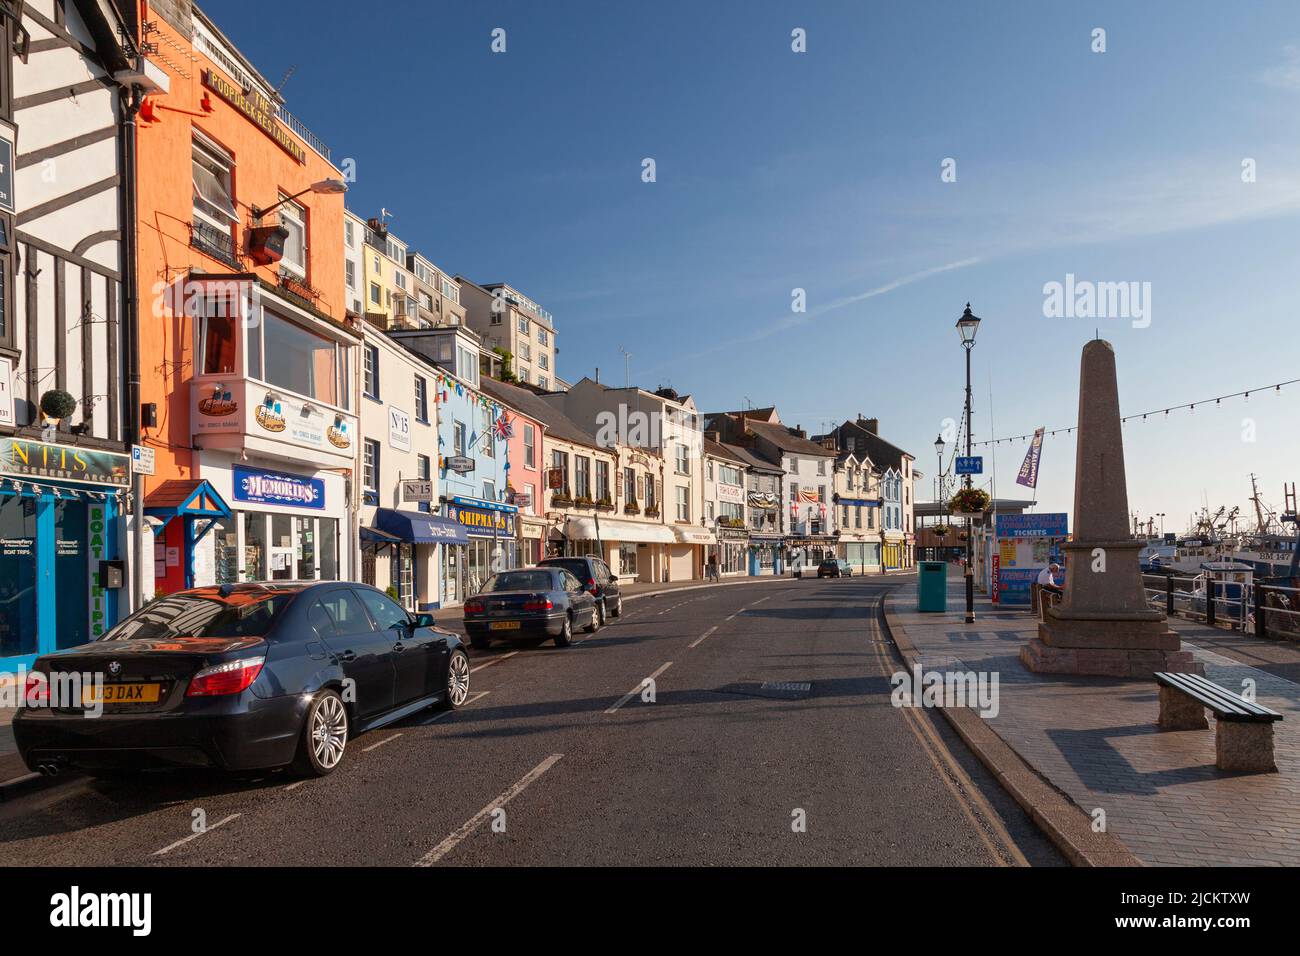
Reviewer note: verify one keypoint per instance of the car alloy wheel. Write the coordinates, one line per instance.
(458, 679)
(329, 731)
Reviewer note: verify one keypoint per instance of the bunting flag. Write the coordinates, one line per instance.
(1029, 468)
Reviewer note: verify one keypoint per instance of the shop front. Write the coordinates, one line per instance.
(686, 557)
(532, 536)
(416, 544)
(634, 550)
(59, 545)
(766, 554)
(491, 546)
(894, 552)
(731, 551)
(809, 551)
(861, 555)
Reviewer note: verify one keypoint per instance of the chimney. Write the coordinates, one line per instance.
(597, 374)
(714, 436)
(871, 424)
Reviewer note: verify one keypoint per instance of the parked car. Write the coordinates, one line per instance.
(241, 677)
(530, 603)
(832, 568)
(600, 582)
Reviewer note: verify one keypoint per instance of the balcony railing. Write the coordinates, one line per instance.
(217, 243)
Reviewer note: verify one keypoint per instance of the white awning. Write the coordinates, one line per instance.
(694, 536)
(611, 529)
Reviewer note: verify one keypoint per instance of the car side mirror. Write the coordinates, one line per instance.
(423, 620)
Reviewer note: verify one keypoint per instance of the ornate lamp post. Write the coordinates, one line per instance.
(967, 326)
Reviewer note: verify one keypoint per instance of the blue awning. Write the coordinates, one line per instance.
(419, 528)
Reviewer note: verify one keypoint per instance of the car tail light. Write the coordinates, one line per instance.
(474, 607)
(228, 678)
(543, 605)
(36, 690)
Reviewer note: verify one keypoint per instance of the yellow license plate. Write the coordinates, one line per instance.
(121, 694)
(504, 626)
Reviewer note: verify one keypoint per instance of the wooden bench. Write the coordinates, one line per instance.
(1243, 730)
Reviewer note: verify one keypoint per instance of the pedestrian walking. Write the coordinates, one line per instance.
(711, 569)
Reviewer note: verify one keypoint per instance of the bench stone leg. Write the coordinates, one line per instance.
(1180, 712)
(1244, 746)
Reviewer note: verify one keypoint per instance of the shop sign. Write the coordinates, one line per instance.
(732, 494)
(259, 110)
(399, 429)
(7, 392)
(483, 521)
(460, 464)
(417, 489)
(522, 497)
(7, 169)
(220, 407)
(96, 525)
(733, 534)
(35, 459)
(257, 486)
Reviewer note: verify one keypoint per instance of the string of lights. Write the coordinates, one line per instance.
(1141, 416)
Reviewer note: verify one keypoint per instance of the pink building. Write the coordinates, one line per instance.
(526, 474)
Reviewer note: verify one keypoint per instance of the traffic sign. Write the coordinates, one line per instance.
(142, 460)
(972, 465)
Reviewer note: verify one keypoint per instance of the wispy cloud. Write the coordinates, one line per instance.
(1286, 75)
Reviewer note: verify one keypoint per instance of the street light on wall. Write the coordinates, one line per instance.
(324, 187)
(967, 326)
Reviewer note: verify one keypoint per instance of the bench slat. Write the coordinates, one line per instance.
(1225, 704)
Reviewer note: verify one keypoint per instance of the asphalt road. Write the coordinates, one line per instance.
(557, 762)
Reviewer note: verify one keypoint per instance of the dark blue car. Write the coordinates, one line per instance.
(530, 603)
(239, 677)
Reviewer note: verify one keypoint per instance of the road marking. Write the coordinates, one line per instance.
(294, 786)
(495, 660)
(449, 844)
(637, 689)
(380, 744)
(696, 642)
(443, 713)
(184, 840)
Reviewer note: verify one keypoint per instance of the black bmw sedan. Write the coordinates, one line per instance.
(532, 603)
(239, 677)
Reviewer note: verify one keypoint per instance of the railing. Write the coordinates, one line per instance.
(1268, 610)
(217, 243)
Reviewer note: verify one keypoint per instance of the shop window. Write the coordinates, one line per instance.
(299, 360)
(305, 534)
(17, 576)
(327, 549)
(282, 547)
(225, 551)
(254, 547)
(218, 332)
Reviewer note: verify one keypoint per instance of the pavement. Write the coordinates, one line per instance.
(1094, 745)
(766, 736)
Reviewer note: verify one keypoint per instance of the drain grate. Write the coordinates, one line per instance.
(774, 689)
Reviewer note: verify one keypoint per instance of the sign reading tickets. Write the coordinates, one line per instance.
(261, 487)
(1026, 543)
(35, 459)
(256, 108)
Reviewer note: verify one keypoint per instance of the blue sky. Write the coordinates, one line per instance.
(821, 171)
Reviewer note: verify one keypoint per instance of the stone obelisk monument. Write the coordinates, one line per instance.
(1103, 626)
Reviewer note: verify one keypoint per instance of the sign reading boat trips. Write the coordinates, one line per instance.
(257, 109)
(40, 460)
(261, 487)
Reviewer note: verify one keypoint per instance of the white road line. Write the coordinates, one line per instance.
(294, 786)
(184, 840)
(696, 642)
(449, 844)
(495, 660)
(380, 744)
(443, 713)
(637, 689)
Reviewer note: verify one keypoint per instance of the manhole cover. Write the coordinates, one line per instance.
(775, 689)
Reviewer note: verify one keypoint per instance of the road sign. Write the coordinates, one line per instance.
(142, 460)
(974, 465)
(417, 489)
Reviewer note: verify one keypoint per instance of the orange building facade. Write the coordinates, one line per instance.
(247, 357)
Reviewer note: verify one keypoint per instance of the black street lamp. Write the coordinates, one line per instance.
(326, 186)
(967, 326)
(938, 478)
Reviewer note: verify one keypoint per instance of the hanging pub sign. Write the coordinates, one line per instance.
(555, 479)
(18, 456)
(258, 109)
(460, 464)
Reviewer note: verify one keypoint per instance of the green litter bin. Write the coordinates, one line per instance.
(932, 586)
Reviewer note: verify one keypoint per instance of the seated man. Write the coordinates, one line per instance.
(1047, 579)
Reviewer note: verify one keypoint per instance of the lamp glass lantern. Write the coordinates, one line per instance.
(967, 326)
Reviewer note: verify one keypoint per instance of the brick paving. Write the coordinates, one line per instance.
(1096, 739)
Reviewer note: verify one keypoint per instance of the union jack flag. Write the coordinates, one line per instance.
(505, 426)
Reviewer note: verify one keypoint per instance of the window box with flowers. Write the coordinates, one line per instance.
(631, 508)
(604, 504)
(584, 501)
(561, 499)
(652, 511)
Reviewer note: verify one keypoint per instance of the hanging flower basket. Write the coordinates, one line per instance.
(941, 530)
(969, 501)
(58, 404)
